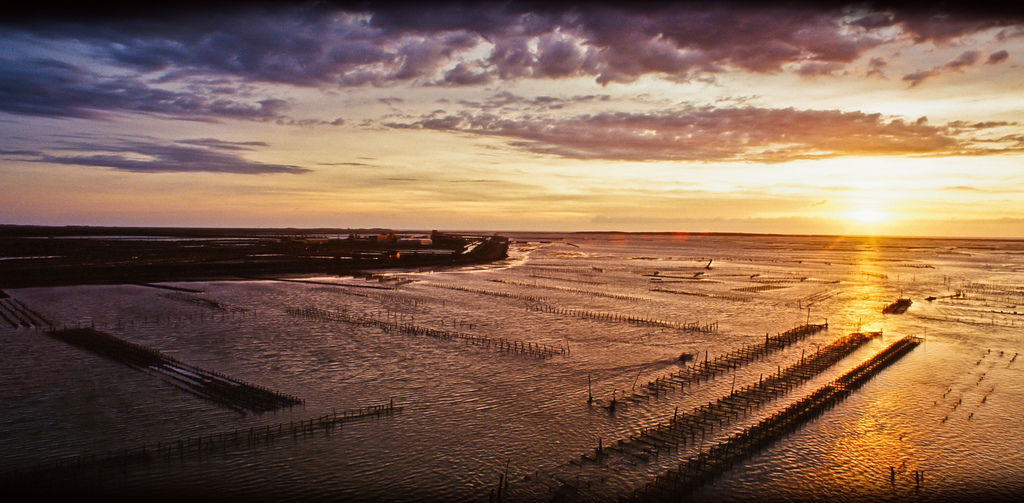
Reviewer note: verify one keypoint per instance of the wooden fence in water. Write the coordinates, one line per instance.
(502, 344)
(16, 314)
(580, 291)
(694, 326)
(704, 466)
(542, 305)
(201, 446)
(691, 426)
(213, 386)
(707, 369)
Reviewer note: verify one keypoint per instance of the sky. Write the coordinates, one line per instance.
(696, 117)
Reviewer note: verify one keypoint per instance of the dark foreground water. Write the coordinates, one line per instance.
(951, 409)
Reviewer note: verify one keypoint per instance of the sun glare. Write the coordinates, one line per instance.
(867, 216)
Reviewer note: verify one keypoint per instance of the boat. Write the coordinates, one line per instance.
(898, 307)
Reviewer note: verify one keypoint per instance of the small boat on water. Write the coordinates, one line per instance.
(898, 307)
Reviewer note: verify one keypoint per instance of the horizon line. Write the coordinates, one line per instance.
(506, 231)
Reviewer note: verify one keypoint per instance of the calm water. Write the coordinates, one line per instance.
(951, 408)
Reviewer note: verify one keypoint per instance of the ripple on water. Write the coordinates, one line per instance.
(470, 412)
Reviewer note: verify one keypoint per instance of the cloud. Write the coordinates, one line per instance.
(321, 45)
(466, 74)
(815, 68)
(223, 145)
(964, 60)
(355, 164)
(709, 134)
(997, 57)
(1010, 33)
(147, 156)
(950, 22)
(506, 101)
(980, 125)
(874, 20)
(20, 152)
(920, 76)
(876, 65)
(51, 88)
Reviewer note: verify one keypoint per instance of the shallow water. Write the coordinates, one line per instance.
(950, 408)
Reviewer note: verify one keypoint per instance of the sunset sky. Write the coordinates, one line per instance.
(691, 117)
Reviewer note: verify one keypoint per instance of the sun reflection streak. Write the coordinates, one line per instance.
(876, 454)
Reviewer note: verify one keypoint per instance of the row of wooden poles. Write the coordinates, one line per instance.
(492, 293)
(208, 384)
(737, 298)
(514, 346)
(694, 326)
(569, 280)
(705, 370)
(709, 463)
(15, 313)
(209, 444)
(688, 427)
(540, 304)
(814, 298)
(382, 297)
(172, 318)
(619, 296)
(198, 301)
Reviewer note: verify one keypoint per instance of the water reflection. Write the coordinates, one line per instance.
(471, 412)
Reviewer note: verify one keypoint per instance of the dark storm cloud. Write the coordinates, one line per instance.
(943, 27)
(321, 45)
(51, 88)
(711, 134)
(754, 39)
(149, 156)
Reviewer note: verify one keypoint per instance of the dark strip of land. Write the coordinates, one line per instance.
(53, 256)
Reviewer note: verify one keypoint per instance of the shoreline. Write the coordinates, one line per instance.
(33, 261)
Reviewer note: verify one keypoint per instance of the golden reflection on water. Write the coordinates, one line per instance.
(862, 299)
(874, 455)
(876, 450)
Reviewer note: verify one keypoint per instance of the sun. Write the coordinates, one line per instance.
(867, 216)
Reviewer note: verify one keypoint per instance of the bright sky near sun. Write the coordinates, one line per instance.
(705, 117)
